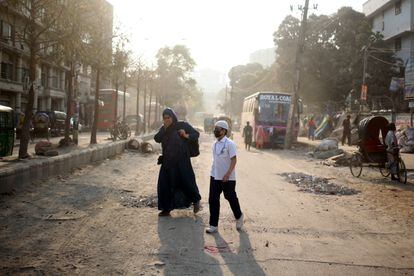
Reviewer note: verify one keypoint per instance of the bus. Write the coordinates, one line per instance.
(107, 107)
(268, 111)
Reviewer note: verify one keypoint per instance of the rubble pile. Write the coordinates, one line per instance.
(338, 160)
(329, 152)
(317, 185)
(132, 201)
(45, 148)
(406, 139)
(134, 144)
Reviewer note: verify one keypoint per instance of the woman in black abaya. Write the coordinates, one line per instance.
(177, 186)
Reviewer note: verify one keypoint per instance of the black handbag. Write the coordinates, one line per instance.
(160, 159)
(192, 145)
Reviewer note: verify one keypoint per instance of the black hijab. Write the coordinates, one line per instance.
(168, 111)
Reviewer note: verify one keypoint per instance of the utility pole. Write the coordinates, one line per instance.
(296, 84)
(145, 102)
(116, 99)
(364, 88)
(125, 88)
(138, 119)
(150, 101)
(225, 101)
(231, 96)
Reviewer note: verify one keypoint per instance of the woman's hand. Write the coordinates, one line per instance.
(182, 134)
(167, 123)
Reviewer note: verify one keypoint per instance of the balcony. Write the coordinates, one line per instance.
(54, 93)
(10, 85)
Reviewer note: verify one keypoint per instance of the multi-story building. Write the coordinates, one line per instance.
(14, 77)
(51, 75)
(394, 19)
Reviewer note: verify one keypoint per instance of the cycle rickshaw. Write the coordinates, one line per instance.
(372, 150)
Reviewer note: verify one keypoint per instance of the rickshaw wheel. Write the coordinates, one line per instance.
(402, 172)
(384, 170)
(355, 164)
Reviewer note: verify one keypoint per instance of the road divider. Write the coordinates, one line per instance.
(17, 175)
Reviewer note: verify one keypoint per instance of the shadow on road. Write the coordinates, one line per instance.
(242, 262)
(182, 247)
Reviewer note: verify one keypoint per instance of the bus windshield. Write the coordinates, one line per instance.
(274, 108)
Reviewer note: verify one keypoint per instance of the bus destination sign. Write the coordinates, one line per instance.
(275, 98)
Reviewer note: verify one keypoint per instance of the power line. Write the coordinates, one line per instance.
(381, 60)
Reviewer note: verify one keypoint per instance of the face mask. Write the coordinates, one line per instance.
(217, 133)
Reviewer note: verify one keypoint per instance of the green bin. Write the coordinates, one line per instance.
(6, 131)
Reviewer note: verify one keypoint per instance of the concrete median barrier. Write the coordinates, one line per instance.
(27, 171)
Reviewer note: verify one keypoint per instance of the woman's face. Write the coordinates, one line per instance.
(167, 120)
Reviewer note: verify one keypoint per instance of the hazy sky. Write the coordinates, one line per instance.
(219, 33)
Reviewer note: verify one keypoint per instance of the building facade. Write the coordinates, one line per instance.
(51, 74)
(394, 19)
(14, 78)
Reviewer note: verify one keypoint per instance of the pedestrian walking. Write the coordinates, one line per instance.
(311, 128)
(260, 137)
(223, 178)
(177, 186)
(346, 132)
(392, 150)
(248, 135)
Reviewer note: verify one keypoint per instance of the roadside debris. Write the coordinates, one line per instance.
(134, 144)
(325, 154)
(327, 144)
(317, 185)
(406, 139)
(338, 160)
(132, 201)
(46, 148)
(146, 147)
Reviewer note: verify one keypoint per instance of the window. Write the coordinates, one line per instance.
(6, 70)
(25, 75)
(383, 26)
(398, 7)
(6, 30)
(43, 77)
(398, 44)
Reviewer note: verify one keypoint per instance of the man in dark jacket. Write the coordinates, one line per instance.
(346, 133)
(247, 134)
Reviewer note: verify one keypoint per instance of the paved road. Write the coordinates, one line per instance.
(93, 222)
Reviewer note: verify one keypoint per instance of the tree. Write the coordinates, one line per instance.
(120, 62)
(72, 28)
(98, 39)
(332, 62)
(174, 68)
(35, 22)
(244, 81)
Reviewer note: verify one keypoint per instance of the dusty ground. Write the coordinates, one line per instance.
(85, 223)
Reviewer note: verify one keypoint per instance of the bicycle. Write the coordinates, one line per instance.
(120, 130)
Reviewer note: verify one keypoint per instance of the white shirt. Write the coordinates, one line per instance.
(223, 151)
(391, 140)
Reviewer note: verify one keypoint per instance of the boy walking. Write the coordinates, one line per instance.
(223, 177)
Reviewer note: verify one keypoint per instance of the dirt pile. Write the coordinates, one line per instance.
(317, 185)
(132, 201)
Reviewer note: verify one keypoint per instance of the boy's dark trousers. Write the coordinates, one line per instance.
(229, 190)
